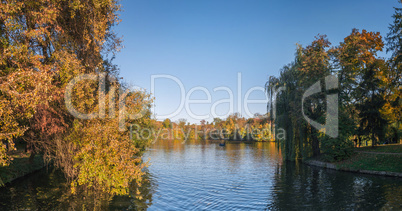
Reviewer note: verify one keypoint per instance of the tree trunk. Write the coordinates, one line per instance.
(32, 157)
(315, 143)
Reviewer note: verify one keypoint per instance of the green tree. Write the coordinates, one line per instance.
(393, 77)
(167, 123)
(359, 69)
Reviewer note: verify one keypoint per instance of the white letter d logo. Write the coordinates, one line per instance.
(331, 124)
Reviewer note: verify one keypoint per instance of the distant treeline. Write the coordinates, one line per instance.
(234, 127)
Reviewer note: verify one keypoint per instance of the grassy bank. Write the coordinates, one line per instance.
(379, 160)
(391, 148)
(20, 167)
(372, 162)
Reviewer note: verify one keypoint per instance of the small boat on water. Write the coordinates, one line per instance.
(222, 144)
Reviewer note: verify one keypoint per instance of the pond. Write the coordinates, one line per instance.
(199, 175)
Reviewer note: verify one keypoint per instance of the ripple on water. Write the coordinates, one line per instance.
(246, 176)
(205, 176)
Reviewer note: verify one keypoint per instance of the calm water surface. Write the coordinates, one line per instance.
(205, 176)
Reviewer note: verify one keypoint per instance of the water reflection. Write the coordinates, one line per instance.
(132, 202)
(203, 175)
(301, 187)
(48, 190)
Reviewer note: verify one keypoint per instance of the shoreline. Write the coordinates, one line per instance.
(19, 168)
(327, 165)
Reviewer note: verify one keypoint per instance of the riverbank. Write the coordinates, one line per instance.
(20, 167)
(380, 160)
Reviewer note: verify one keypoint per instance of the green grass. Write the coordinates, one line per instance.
(19, 167)
(392, 148)
(373, 162)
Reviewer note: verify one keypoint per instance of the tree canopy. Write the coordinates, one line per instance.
(45, 44)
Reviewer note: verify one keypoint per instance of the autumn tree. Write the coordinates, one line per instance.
(392, 77)
(314, 64)
(360, 86)
(167, 123)
(46, 44)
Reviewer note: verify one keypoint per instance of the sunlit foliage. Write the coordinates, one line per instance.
(368, 90)
(44, 45)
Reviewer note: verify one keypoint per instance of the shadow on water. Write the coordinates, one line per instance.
(298, 186)
(48, 189)
(202, 175)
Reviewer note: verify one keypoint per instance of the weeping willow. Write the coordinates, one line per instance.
(367, 106)
(285, 92)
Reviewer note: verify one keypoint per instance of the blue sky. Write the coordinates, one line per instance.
(208, 43)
